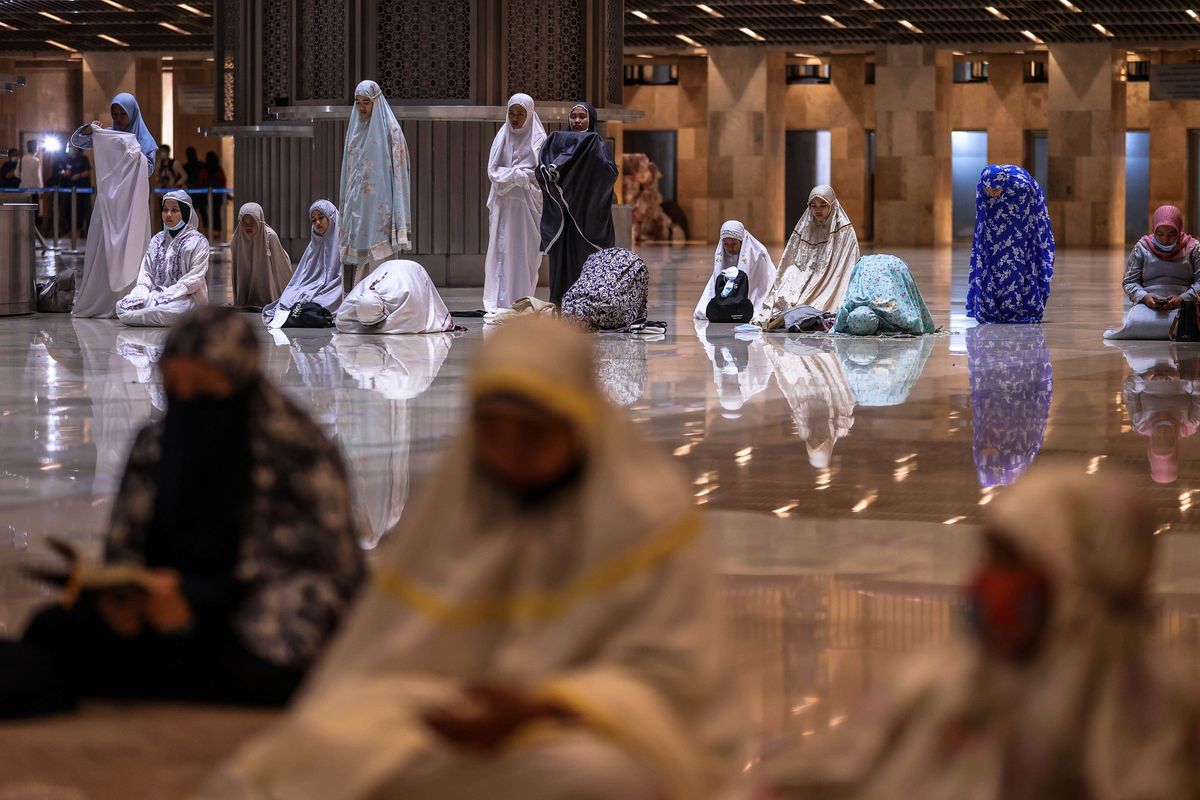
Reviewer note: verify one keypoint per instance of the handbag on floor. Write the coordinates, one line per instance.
(308, 315)
(731, 303)
(1186, 327)
(57, 295)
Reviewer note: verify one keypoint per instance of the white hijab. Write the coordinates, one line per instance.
(754, 260)
(518, 147)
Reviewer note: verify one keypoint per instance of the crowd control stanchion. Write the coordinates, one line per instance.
(74, 218)
(54, 220)
(210, 217)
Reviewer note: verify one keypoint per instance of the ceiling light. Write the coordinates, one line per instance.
(6, 25)
(798, 2)
(192, 10)
(642, 15)
(910, 26)
(54, 17)
(802, 55)
(709, 10)
(687, 40)
(873, 4)
(752, 34)
(995, 12)
(175, 28)
(61, 46)
(116, 5)
(1070, 6)
(1031, 37)
(832, 21)
(1102, 29)
(643, 55)
(1193, 14)
(113, 39)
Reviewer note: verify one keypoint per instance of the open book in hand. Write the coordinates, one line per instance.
(83, 574)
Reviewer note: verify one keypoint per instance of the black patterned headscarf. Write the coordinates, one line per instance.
(220, 336)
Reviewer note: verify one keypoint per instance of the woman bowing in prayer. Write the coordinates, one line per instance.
(514, 206)
(120, 227)
(174, 273)
(1162, 271)
(738, 251)
(576, 174)
(883, 298)
(816, 264)
(1012, 257)
(261, 267)
(318, 276)
(558, 639)
(374, 197)
(398, 297)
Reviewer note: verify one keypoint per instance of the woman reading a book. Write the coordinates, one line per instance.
(230, 558)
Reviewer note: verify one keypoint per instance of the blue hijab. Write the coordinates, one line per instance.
(136, 126)
(1012, 258)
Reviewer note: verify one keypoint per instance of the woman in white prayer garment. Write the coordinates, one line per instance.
(398, 297)
(738, 251)
(515, 207)
(120, 226)
(557, 636)
(374, 197)
(174, 273)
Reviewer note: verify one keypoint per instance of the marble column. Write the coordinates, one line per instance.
(912, 124)
(848, 137)
(1087, 146)
(1169, 176)
(104, 75)
(1007, 113)
(746, 137)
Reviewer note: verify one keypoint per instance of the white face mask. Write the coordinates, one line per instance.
(179, 226)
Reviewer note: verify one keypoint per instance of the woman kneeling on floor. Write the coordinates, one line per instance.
(883, 298)
(173, 277)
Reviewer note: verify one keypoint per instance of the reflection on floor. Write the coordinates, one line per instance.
(845, 480)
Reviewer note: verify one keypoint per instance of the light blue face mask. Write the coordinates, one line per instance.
(1166, 248)
(179, 226)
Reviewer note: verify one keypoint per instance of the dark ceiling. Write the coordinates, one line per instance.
(791, 22)
(24, 28)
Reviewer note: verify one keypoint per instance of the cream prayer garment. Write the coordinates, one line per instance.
(261, 267)
(602, 599)
(816, 264)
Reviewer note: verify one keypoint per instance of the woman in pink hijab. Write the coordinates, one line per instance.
(1162, 272)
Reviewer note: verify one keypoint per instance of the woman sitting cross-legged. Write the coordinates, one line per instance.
(174, 273)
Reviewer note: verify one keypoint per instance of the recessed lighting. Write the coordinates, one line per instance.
(1102, 29)
(1031, 37)
(642, 15)
(1193, 14)
(802, 55)
(873, 4)
(6, 25)
(995, 12)
(910, 26)
(168, 58)
(192, 10)
(798, 2)
(175, 28)
(61, 46)
(55, 17)
(752, 34)
(687, 40)
(712, 12)
(116, 5)
(1070, 6)
(832, 21)
(113, 39)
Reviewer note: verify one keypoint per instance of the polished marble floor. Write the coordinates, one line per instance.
(844, 480)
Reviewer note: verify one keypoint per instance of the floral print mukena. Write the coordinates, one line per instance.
(1012, 259)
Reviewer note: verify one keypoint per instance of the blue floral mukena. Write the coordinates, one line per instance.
(1012, 258)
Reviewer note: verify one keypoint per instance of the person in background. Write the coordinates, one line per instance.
(397, 298)
(173, 277)
(261, 267)
(1055, 691)
(31, 175)
(243, 593)
(883, 297)
(816, 264)
(1012, 255)
(376, 224)
(80, 176)
(738, 251)
(1162, 271)
(167, 174)
(576, 173)
(213, 177)
(559, 638)
(192, 168)
(10, 178)
(318, 276)
(514, 207)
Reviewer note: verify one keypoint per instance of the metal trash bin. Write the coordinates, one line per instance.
(18, 267)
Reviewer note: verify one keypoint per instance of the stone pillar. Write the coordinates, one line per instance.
(1169, 177)
(1006, 113)
(746, 137)
(1087, 146)
(848, 137)
(912, 124)
(104, 75)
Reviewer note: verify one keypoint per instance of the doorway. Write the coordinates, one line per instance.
(806, 164)
(1137, 184)
(1037, 157)
(968, 154)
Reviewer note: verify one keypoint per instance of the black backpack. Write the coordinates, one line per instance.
(731, 303)
(309, 315)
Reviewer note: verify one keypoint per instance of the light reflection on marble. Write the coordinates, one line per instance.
(844, 481)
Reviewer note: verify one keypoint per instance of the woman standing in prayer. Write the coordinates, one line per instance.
(173, 277)
(883, 298)
(569, 585)
(1163, 270)
(817, 261)
(239, 509)
(318, 276)
(738, 251)
(1056, 690)
(375, 223)
(1012, 258)
(261, 267)
(515, 207)
(398, 297)
(120, 227)
(576, 174)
